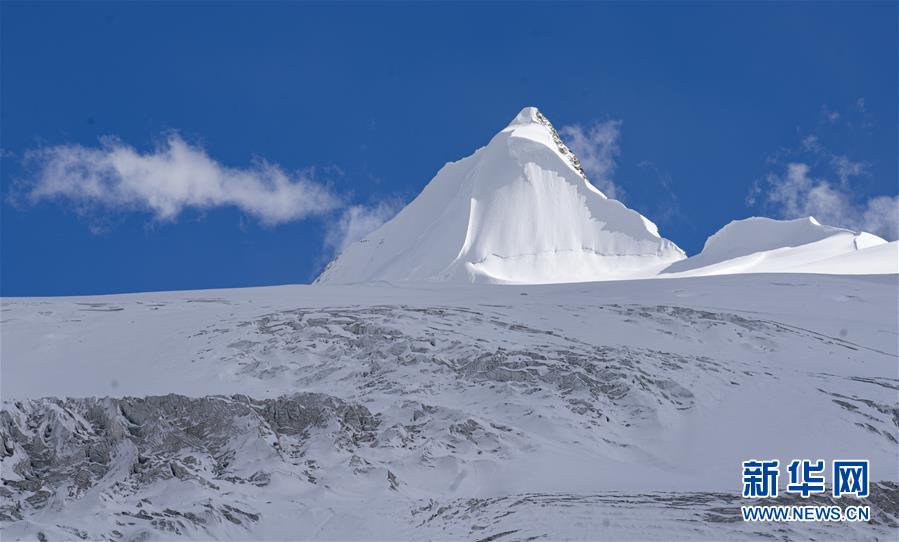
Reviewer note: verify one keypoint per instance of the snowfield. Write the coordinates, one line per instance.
(609, 410)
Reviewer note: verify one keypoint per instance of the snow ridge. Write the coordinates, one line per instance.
(765, 245)
(563, 148)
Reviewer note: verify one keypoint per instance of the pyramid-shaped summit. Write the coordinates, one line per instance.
(519, 210)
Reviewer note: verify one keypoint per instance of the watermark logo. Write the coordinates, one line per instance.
(806, 477)
(760, 478)
(850, 478)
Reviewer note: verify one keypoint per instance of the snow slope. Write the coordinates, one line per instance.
(764, 245)
(519, 210)
(878, 259)
(606, 410)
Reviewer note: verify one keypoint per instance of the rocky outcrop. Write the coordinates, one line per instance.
(55, 450)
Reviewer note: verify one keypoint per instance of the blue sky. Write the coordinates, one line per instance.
(697, 113)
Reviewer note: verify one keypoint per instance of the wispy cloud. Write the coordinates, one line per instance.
(169, 179)
(796, 193)
(357, 221)
(811, 180)
(828, 115)
(846, 169)
(596, 146)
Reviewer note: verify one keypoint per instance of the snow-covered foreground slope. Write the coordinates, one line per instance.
(764, 245)
(519, 210)
(614, 410)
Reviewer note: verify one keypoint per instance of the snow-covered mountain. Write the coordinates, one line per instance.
(519, 210)
(764, 245)
(416, 405)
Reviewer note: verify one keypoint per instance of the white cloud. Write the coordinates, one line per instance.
(846, 169)
(812, 180)
(796, 193)
(812, 144)
(357, 221)
(829, 116)
(173, 177)
(596, 146)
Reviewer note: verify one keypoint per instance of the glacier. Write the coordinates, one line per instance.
(616, 409)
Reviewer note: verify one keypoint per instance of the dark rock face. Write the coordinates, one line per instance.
(53, 447)
(563, 148)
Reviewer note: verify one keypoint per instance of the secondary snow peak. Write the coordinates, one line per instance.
(802, 245)
(518, 210)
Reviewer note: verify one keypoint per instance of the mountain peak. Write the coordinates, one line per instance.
(518, 210)
(528, 115)
(530, 120)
